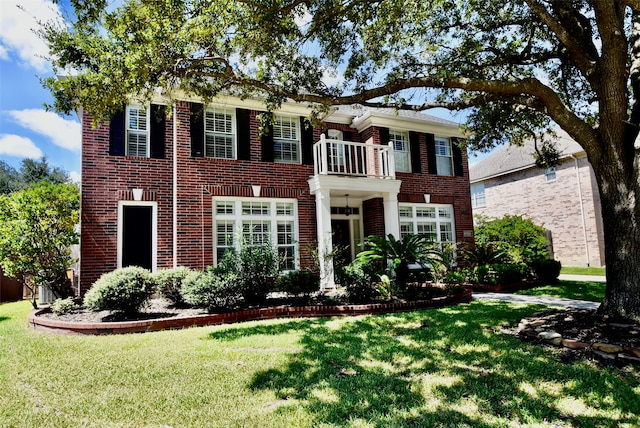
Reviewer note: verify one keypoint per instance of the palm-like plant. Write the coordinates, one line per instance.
(399, 253)
(483, 254)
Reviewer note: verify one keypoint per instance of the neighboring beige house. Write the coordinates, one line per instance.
(564, 199)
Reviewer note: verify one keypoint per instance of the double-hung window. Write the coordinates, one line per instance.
(137, 131)
(286, 139)
(256, 222)
(402, 153)
(444, 159)
(219, 131)
(477, 196)
(434, 221)
(550, 173)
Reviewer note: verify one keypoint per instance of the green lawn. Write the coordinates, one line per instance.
(445, 367)
(593, 291)
(583, 271)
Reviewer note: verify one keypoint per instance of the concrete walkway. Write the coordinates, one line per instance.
(539, 300)
(584, 278)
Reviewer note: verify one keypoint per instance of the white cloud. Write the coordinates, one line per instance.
(15, 145)
(62, 132)
(18, 20)
(75, 177)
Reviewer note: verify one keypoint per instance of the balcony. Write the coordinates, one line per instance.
(357, 160)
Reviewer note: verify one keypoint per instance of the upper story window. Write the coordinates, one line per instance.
(137, 131)
(219, 129)
(402, 154)
(550, 173)
(444, 159)
(334, 134)
(286, 138)
(478, 199)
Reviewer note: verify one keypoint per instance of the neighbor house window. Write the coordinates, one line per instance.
(550, 173)
(477, 196)
(402, 154)
(431, 220)
(286, 138)
(256, 222)
(444, 159)
(137, 131)
(219, 131)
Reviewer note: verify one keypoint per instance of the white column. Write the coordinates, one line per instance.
(325, 245)
(391, 215)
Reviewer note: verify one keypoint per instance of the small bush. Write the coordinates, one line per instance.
(125, 290)
(64, 306)
(508, 273)
(169, 283)
(299, 283)
(211, 290)
(547, 270)
(258, 268)
(358, 278)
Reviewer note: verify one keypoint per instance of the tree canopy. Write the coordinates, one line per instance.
(31, 171)
(518, 66)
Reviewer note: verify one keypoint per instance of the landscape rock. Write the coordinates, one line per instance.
(606, 347)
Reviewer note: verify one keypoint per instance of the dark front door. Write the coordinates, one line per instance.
(341, 242)
(136, 236)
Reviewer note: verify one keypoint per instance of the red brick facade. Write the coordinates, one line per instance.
(108, 179)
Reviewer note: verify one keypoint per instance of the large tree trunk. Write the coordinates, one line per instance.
(620, 196)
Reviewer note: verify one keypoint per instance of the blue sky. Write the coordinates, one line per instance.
(26, 128)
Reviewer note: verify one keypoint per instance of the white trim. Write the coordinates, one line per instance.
(147, 131)
(154, 229)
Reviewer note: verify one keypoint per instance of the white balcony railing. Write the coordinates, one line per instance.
(336, 157)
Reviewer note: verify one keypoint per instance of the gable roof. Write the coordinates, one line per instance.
(511, 158)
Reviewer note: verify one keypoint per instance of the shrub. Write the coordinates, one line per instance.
(546, 270)
(358, 278)
(169, 283)
(507, 273)
(519, 237)
(299, 283)
(211, 289)
(64, 306)
(125, 290)
(258, 269)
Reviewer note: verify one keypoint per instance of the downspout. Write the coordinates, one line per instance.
(175, 186)
(584, 225)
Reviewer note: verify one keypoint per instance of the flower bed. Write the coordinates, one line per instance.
(40, 323)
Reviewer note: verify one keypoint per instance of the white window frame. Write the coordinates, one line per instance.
(551, 174)
(220, 133)
(291, 139)
(154, 229)
(414, 216)
(277, 214)
(478, 196)
(444, 156)
(401, 150)
(130, 131)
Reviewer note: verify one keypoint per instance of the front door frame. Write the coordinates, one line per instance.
(154, 229)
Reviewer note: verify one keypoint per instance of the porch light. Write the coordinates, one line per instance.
(347, 209)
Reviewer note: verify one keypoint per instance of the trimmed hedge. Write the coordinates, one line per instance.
(125, 290)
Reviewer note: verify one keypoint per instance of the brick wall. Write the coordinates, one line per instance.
(107, 179)
(556, 206)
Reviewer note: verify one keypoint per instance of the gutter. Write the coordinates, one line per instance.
(584, 225)
(175, 186)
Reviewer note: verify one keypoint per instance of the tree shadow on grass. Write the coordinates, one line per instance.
(3, 318)
(445, 367)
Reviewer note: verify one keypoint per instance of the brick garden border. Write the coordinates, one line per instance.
(122, 327)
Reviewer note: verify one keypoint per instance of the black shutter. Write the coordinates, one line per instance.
(266, 139)
(384, 136)
(243, 129)
(197, 129)
(414, 145)
(431, 154)
(347, 136)
(457, 158)
(306, 142)
(157, 125)
(116, 134)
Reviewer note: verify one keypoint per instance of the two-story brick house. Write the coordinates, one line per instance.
(166, 186)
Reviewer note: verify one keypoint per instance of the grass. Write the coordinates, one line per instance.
(583, 271)
(445, 367)
(592, 291)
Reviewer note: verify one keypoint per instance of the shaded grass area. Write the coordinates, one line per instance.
(592, 291)
(583, 271)
(440, 367)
